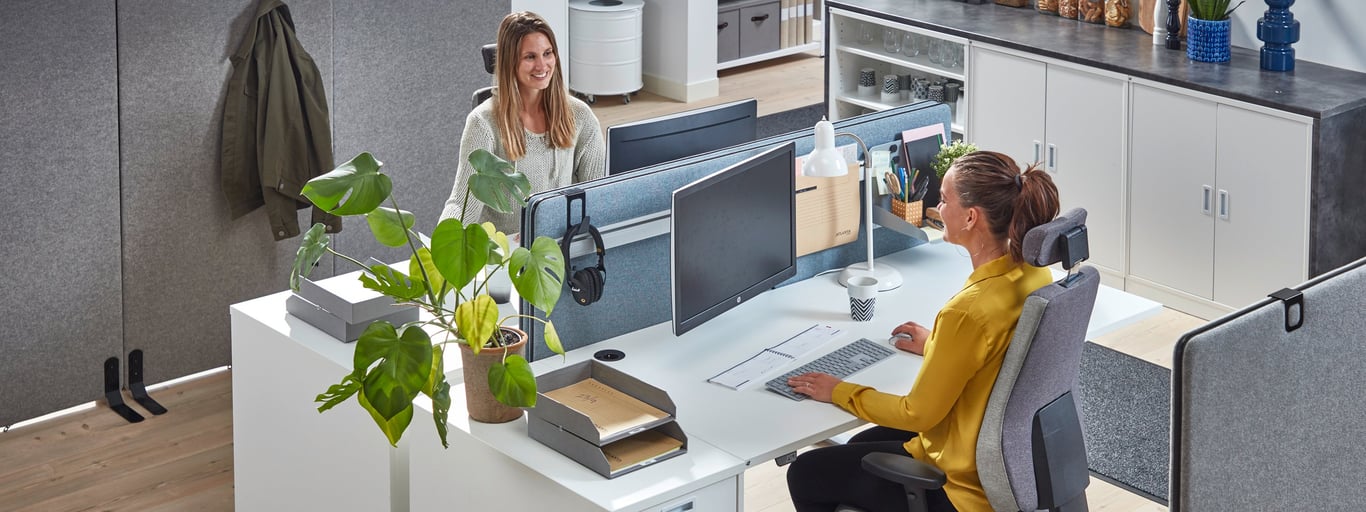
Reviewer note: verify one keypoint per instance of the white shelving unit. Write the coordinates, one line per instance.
(849, 54)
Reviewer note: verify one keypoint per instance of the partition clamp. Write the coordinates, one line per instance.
(1293, 300)
(112, 394)
(135, 385)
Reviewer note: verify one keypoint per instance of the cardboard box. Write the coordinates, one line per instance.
(608, 421)
(335, 326)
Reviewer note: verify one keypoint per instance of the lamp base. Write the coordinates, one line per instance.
(887, 277)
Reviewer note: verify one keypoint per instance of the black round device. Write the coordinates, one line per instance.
(609, 355)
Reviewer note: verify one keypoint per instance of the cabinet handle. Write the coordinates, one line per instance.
(1223, 204)
(723, 25)
(1206, 209)
(760, 18)
(1038, 152)
(1053, 158)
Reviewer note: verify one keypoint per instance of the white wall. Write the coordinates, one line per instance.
(679, 49)
(1332, 32)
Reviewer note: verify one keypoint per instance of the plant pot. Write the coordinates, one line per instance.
(1207, 41)
(479, 401)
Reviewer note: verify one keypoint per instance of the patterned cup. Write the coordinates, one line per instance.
(862, 297)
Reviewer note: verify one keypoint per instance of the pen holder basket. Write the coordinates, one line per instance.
(911, 212)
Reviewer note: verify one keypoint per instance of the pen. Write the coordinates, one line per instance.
(901, 179)
(915, 173)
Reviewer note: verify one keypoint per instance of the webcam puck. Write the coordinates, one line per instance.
(609, 355)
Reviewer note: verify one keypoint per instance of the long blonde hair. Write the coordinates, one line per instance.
(508, 100)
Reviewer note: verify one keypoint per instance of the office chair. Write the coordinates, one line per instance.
(489, 52)
(1030, 451)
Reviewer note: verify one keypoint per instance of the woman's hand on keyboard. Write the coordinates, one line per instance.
(914, 344)
(818, 386)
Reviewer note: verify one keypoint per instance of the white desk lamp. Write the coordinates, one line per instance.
(826, 162)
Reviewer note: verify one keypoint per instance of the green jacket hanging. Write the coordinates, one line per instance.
(276, 134)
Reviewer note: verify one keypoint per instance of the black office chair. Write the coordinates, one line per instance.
(490, 52)
(1030, 451)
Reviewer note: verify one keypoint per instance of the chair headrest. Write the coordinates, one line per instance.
(490, 52)
(1061, 240)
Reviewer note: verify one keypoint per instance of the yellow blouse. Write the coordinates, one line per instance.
(962, 358)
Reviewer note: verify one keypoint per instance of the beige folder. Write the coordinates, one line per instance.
(827, 210)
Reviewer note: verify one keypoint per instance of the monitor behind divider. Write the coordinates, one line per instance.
(662, 139)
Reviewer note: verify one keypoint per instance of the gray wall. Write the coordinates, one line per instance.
(117, 233)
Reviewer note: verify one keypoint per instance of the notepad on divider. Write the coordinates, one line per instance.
(755, 368)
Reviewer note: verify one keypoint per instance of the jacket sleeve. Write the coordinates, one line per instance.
(478, 134)
(953, 354)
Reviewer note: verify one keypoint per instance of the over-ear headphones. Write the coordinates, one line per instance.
(585, 284)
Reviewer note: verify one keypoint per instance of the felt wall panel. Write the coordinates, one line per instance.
(61, 298)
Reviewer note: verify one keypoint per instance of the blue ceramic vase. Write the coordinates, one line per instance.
(1207, 41)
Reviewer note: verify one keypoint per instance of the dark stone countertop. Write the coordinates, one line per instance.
(1313, 90)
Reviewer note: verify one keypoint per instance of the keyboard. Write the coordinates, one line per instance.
(841, 363)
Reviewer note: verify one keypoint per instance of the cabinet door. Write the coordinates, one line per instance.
(1261, 225)
(1085, 152)
(1007, 104)
(1171, 233)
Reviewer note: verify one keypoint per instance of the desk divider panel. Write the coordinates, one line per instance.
(637, 291)
(1265, 418)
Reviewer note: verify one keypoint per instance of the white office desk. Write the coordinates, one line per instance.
(727, 429)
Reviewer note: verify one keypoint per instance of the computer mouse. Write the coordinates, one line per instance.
(898, 336)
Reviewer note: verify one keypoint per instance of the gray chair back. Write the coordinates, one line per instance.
(1041, 367)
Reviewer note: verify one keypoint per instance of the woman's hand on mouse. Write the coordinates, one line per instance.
(915, 344)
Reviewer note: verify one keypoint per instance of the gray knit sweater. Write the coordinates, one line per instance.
(547, 168)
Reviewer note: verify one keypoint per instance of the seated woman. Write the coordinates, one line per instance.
(987, 205)
(531, 120)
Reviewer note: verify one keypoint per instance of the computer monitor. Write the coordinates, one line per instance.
(732, 236)
(640, 144)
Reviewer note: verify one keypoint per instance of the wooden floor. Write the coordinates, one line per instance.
(94, 460)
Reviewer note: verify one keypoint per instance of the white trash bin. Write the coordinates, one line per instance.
(605, 47)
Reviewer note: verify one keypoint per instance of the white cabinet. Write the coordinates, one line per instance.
(857, 43)
(1072, 122)
(1219, 196)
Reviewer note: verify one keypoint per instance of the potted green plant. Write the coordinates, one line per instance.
(947, 154)
(1207, 30)
(394, 364)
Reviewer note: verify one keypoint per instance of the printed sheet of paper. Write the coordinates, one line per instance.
(758, 367)
(611, 410)
(638, 448)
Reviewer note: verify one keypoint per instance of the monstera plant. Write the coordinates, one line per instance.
(394, 364)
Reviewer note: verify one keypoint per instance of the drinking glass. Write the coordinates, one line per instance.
(866, 34)
(936, 51)
(909, 47)
(891, 40)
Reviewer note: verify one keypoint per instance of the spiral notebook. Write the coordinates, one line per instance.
(759, 366)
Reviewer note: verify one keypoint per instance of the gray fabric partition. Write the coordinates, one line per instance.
(636, 292)
(60, 238)
(113, 108)
(1265, 419)
(404, 73)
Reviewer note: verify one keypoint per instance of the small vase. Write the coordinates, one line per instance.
(479, 400)
(1279, 29)
(1207, 41)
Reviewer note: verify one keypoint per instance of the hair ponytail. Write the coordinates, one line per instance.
(1035, 205)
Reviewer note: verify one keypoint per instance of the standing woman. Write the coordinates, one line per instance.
(531, 121)
(988, 205)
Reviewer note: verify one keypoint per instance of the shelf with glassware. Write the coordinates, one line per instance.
(875, 64)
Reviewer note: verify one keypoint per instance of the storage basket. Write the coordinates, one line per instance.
(911, 212)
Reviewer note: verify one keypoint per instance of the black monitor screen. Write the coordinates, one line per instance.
(662, 139)
(919, 155)
(733, 236)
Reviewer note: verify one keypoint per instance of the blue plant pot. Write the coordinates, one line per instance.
(1207, 41)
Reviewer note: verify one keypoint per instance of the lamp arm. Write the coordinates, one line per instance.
(867, 170)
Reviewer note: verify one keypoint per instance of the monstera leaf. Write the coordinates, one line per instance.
(310, 251)
(390, 226)
(512, 382)
(459, 251)
(496, 183)
(538, 273)
(358, 182)
(402, 363)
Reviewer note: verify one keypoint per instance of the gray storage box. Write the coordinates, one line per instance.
(574, 434)
(342, 307)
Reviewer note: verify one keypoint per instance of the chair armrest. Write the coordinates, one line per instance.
(904, 470)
